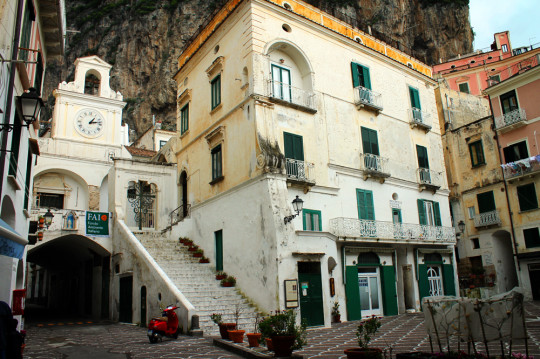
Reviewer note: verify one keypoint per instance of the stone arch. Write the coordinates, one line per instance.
(7, 214)
(299, 59)
(63, 182)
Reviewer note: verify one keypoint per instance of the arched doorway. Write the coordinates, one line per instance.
(505, 267)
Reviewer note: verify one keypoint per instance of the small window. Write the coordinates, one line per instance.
(286, 28)
(287, 6)
(464, 87)
(358, 40)
(504, 48)
(453, 66)
(162, 143)
(477, 153)
(217, 169)
(515, 152)
(409, 65)
(527, 197)
(490, 57)
(216, 91)
(184, 119)
(312, 220)
(50, 200)
(532, 237)
(475, 243)
(509, 101)
(471, 212)
(473, 61)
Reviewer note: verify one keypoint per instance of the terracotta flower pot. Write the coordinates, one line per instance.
(269, 345)
(204, 260)
(360, 353)
(192, 249)
(237, 336)
(197, 255)
(220, 277)
(41, 220)
(226, 284)
(40, 236)
(253, 339)
(336, 318)
(223, 329)
(283, 345)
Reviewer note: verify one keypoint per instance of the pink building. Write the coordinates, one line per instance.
(474, 72)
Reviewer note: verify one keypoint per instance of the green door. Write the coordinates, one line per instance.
(310, 284)
(219, 250)
(352, 293)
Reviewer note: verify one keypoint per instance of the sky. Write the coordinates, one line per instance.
(520, 17)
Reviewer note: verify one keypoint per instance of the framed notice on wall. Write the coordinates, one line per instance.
(97, 224)
(291, 293)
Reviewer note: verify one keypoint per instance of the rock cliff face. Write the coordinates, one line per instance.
(142, 39)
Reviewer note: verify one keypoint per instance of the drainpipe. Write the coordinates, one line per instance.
(513, 235)
(9, 97)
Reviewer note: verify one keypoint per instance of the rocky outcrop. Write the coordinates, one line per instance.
(142, 39)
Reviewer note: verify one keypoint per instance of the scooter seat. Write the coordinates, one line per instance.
(163, 319)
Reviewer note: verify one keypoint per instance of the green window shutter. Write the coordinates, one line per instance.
(389, 294)
(448, 279)
(423, 283)
(415, 98)
(360, 76)
(355, 74)
(294, 146)
(311, 220)
(422, 217)
(486, 202)
(15, 145)
(366, 209)
(370, 142)
(437, 214)
(352, 292)
(527, 197)
(422, 155)
(367, 79)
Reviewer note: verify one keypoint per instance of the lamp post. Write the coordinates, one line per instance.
(298, 204)
(48, 218)
(29, 104)
(461, 226)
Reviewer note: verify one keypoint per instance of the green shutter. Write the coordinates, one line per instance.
(423, 283)
(355, 74)
(370, 142)
(294, 146)
(389, 294)
(422, 155)
(415, 98)
(15, 146)
(437, 214)
(352, 292)
(367, 79)
(486, 202)
(422, 218)
(366, 209)
(448, 279)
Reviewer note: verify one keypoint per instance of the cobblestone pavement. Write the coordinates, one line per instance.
(402, 333)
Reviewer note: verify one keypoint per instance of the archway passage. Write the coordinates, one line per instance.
(68, 278)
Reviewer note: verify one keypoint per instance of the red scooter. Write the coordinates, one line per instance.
(164, 326)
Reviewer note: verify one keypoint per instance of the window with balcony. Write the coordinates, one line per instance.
(415, 104)
(364, 95)
(217, 165)
(184, 119)
(532, 237)
(366, 210)
(509, 102)
(360, 76)
(429, 213)
(486, 202)
(215, 86)
(281, 80)
(516, 152)
(464, 87)
(50, 200)
(527, 197)
(294, 155)
(311, 220)
(476, 151)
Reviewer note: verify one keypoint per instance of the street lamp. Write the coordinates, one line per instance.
(298, 204)
(461, 226)
(48, 218)
(29, 104)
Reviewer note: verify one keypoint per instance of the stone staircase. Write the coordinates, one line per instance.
(197, 282)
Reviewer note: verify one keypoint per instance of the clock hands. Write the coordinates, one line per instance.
(92, 121)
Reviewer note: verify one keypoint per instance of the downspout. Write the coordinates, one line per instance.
(9, 97)
(513, 235)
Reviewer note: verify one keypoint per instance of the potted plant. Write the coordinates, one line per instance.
(223, 327)
(199, 252)
(230, 281)
(188, 242)
(255, 337)
(221, 275)
(336, 315)
(286, 335)
(364, 332)
(204, 260)
(40, 236)
(235, 334)
(41, 222)
(193, 247)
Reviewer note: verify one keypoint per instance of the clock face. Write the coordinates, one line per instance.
(89, 123)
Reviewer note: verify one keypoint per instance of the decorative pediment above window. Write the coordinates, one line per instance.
(462, 79)
(215, 68)
(215, 137)
(184, 97)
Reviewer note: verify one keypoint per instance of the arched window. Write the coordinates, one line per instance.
(368, 258)
(91, 84)
(141, 204)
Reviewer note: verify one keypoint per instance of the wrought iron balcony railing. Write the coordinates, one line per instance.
(403, 232)
(521, 168)
(179, 214)
(287, 93)
(374, 165)
(419, 118)
(366, 97)
(510, 118)
(487, 219)
(299, 170)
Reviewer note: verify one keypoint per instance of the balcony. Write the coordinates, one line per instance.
(362, 229)
(288, 95)
(299, 171)
(364, 97)
(428, 179)
(374, 166)
(522, 168)
(419, 118)
(487, 219)
(511, 120)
